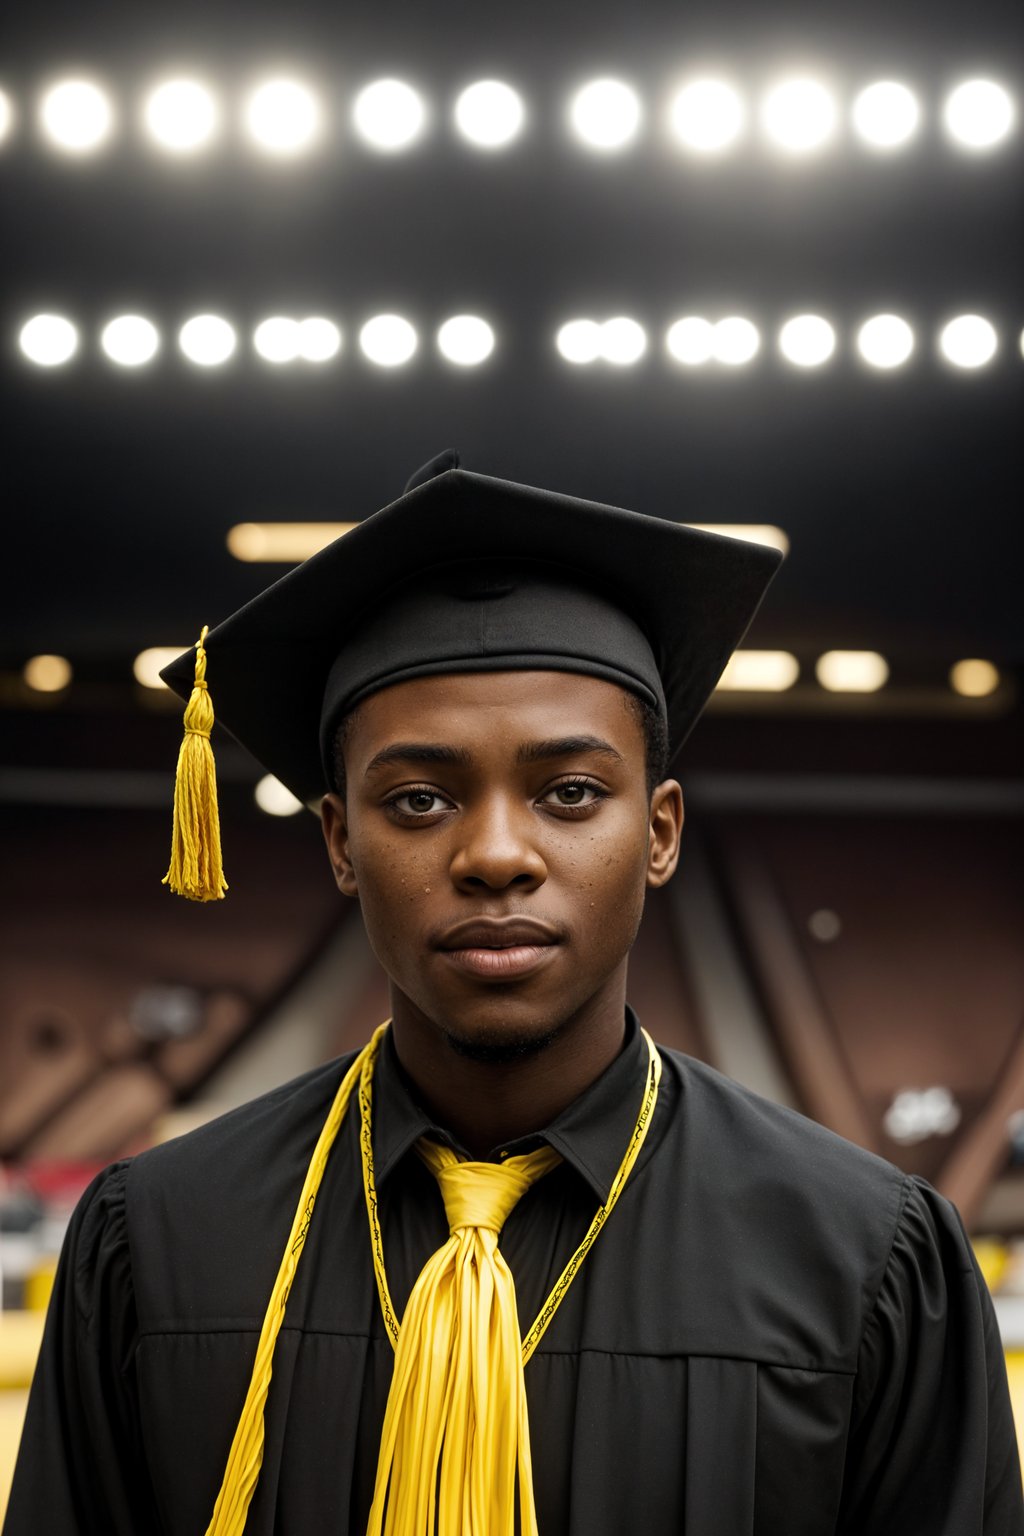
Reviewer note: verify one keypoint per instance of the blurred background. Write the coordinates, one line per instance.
(753, 267)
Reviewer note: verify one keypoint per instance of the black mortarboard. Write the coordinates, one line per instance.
(463, 573)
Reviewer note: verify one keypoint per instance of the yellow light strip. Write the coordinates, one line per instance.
(286, 543)
(754, 533)
(760, 672)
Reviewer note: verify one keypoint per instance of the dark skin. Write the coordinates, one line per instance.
(566, 835)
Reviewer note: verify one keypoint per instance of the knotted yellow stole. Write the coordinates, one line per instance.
(457, 1397)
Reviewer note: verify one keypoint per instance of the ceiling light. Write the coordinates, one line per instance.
(48, 340)
(283, 543)
(734, 341)
(759, 672)
(181, 116)
(969, 341)
(6, 116)
(707, 116)
(807, 341)
(388, 340)
(283, 117)
(623, 341)
(579, 341)
(319, 339)
(885, 341)
(605, 114)
(751, 533)
(277, 339)
(974, 678)
(691, 340)
(466, 339)
(130, 340)
(148, 664)
(489, 114)
(886, 115)
(979, 114)
(852, 671)
(799, 116)
(389, 114)
(76, 116)
(47, 674)
(272, 796)
(207, 340)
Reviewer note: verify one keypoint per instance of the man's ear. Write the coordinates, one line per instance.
(667, 817)
(334, 821)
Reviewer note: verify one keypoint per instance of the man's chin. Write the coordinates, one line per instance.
(498, 1044)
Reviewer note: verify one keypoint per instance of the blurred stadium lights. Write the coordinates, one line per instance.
(754, 533)
(852, 671)
(466, 340)
(707, 116)
(759, 672)
(388, 340)
(605, 114)
(389, 114)
(979, 114)
(807, 341)
(48, 340)
(130, 340)
(885, 341)
(886, 115)
(282, 543)
(181, 116)
(283, 117)
(274, 798)
(489, 114)
(47, 674)
(974, 678)
(799, 116)
(208, 340)
(148, 664)
(969, 341)
(76, 116)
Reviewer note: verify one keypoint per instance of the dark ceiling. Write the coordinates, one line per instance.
(901, 494)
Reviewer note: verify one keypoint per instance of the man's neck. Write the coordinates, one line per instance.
(484, 1104)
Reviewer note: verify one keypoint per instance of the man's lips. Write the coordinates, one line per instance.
(499, 948)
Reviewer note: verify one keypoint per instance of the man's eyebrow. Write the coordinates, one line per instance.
(529, 752)
(565, 746)
(418, 752)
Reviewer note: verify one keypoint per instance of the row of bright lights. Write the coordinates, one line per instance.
(747, 672)
(806, 341)
(285, 117)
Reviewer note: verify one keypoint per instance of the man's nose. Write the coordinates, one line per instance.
(497, 847)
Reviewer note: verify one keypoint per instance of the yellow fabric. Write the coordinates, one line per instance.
(196, 868)
(246, 1455)
(486, 1344)
(458, 1397)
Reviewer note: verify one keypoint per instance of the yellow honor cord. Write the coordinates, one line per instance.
(196, 868)
(246, 1455)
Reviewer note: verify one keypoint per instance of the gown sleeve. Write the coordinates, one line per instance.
(81, 1466)
(932, 1448)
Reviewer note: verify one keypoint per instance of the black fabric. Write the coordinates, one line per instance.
(776, 1334)
(488, 616)
(692, 594)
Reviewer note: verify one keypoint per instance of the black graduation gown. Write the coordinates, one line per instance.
(776, 1334)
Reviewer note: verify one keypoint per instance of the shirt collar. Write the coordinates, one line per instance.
(591, 1133)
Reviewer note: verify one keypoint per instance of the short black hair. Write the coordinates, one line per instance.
(650, 719)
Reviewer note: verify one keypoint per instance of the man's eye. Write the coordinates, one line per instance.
(416, 802)
(575, 792)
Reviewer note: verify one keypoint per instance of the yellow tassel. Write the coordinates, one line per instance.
(196, 870)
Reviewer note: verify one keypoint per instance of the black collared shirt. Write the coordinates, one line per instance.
(776, 1334)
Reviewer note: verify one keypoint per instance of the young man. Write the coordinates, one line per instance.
(310, 1316)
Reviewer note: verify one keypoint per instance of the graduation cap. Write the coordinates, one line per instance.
(463, 573)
